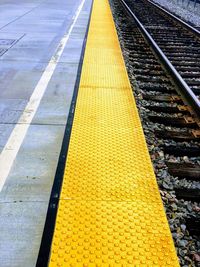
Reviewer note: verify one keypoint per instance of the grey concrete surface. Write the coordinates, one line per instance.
(30, 31)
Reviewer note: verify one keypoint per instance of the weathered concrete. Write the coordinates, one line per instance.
(34, 28)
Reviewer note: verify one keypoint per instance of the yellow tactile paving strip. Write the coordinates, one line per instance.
(110, 212)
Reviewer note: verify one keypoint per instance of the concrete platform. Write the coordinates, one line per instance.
(30, 33)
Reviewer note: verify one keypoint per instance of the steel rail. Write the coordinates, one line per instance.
(181, 86)
(178, 20)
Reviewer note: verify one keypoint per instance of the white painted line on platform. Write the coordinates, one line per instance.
(18, 134)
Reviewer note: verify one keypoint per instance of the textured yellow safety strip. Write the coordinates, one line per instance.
(110, 211)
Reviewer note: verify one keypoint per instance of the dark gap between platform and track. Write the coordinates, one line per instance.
(45, 247)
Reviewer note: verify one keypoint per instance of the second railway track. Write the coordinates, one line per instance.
(170, 118)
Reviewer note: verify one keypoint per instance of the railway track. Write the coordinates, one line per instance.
(161, 55)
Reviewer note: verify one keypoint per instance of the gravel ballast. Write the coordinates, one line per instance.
(188, 247)
(189, 14)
